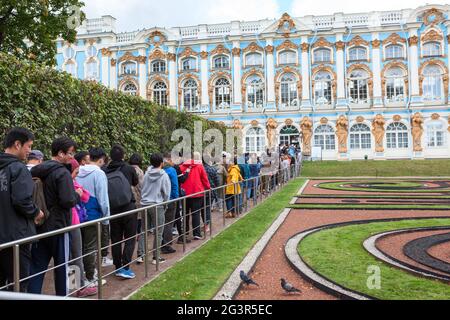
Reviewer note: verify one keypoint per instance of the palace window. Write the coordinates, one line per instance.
(221, 62)
(322, 55)
(436, 134)
(255, 92)
(358, 54)
(289, 95)
(358, 87)
(360, 137)
(253, 59)
(395, 85)
(432, 83)
(92, 69)
(189, 64)
(159, 66)
(431, 49)
(92, 51)
(130, 89)
(255, 140)
(397, 136)
(129, 68)
(71, 68)
(69, 53)
(323, 88)
(160, 93)
(287, 57)
(190, 95)
(222, 90)
(324, 137)
(289, 135)
(394, 51)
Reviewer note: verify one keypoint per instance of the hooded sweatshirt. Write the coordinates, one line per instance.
(59, 192)
(16, 200)
(197, 180)
(94, 180)
(156, 188)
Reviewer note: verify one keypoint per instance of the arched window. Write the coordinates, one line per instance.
(322, 55)
(221, 62)
(130, 88)
(159, 66)
(160, 93)
(289, 95)
(358, 53)
(190, 95)
(253, 59)
(397, 136)
(394, 51)
(289, 135)
(129, 68)
(189, 64)
(255, 140)
(255, 92)
(358, 87)
(432, 83)
(324, 137)
(69, 53)
(431, 49)
(92, 51)
(360, 137)
(287, 57)
(71, 68)
(395, 85)
(92, 69)
(323, 88)
(222, 90)
(435, 134)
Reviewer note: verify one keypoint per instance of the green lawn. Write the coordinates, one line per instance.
(390, 168)
(200, 275)
(362, 206)
(403, 187)
(338, 254)
(346, 196)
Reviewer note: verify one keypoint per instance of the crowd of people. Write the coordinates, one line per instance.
(71, 188)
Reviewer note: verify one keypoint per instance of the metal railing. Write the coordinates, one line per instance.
(234, 204)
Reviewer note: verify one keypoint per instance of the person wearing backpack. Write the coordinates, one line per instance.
(92, 178)
(121, 177)
(19, 214)
(60, 198)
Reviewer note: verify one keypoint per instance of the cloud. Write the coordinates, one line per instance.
(326, 7)
(137, 14)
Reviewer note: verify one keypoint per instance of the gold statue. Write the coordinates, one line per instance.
(342, 133)
(272, 133)
(417, 131)
(306, 126)
(378, 132)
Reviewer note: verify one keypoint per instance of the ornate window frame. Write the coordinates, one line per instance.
(245, 76)
(154, 56)
(333, 82)
(255, 125)
(127, 80)
(73, 62)
(278, 77)
(387, 67)
(332, 125)
(358, 42)
(394, 39)
(211, 86)
(287, 46)
(151, 83)
(86, 62)
(364, 67)
(320, 44)
(445, 77)
(253, 48)
(398, 119)
(181, 81)
(220, 50)
(426, 136)
(431, 35)
(186, 54)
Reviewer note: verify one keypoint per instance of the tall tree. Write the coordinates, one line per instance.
(29, 28)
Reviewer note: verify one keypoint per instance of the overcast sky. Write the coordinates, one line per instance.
(138, 14)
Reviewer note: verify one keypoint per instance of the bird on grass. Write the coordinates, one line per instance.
(247, 280)
(289, 288)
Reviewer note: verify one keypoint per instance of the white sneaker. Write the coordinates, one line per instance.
(107, 262)
(140, 260)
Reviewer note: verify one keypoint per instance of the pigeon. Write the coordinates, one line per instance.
(247, 280)
(289, 288)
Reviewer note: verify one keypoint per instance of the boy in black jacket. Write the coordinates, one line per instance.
(18, 214)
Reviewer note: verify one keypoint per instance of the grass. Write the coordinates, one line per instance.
(338, 254)
(345, 196)
(371, 168)
(200, 275)
(345, 206)
(409, 187)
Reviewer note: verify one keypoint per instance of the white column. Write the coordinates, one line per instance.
(142, 74)
(270, 72)
(414, 63)
(340, 68)
(204, 75)
(237, 90)
(305, 73)
(173, 88)
(105, 67)
(113, 72)
(377, 91)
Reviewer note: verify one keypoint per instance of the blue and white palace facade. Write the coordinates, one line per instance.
(371, 84)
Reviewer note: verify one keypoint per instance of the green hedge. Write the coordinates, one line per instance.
(52, 103)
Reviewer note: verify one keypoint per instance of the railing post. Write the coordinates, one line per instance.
(224, 205)
(236, 200)
(158, 244)
(99, 260)
(210, 208)
(255, 192)
(204, 215)
(145, 220)
(16, 257)
(183, 225)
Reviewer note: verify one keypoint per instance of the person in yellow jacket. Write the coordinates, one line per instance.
(233, 188)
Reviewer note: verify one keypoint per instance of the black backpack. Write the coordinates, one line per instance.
(119, 189)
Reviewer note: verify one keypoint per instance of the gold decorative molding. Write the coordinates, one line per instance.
(171, 56)
(220, 49)
(417, 131)
(445, 76)
(376, 44)
(278, 75)
(185, 77)
(249, 73)
(324, 120)
(271, 127)
(340, 45)
(289, 122)
(188, 52)
(270, 49)
(306, 125)
(322, 42)
(113, 62)
(342, 133)
(360, 119)
(253, 47)
(237, 125)
(204, 55)
(438, 17)
(155, 34)
(157, 55)
(152, 81)
(413, 41)
(357, 41)
(141, 59)
(432, 35)
(254, 123)
(236, 52)
(305, 47)
(128, 79)
(378, 132)
(213, 78)
(364, 67)
(286, 45)
(435, 116)
(394, 64)
(394, 38)
(286, 24)
(128, 56)
(330, 70)
(106, 52)
(448, 123)
(397, 118)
